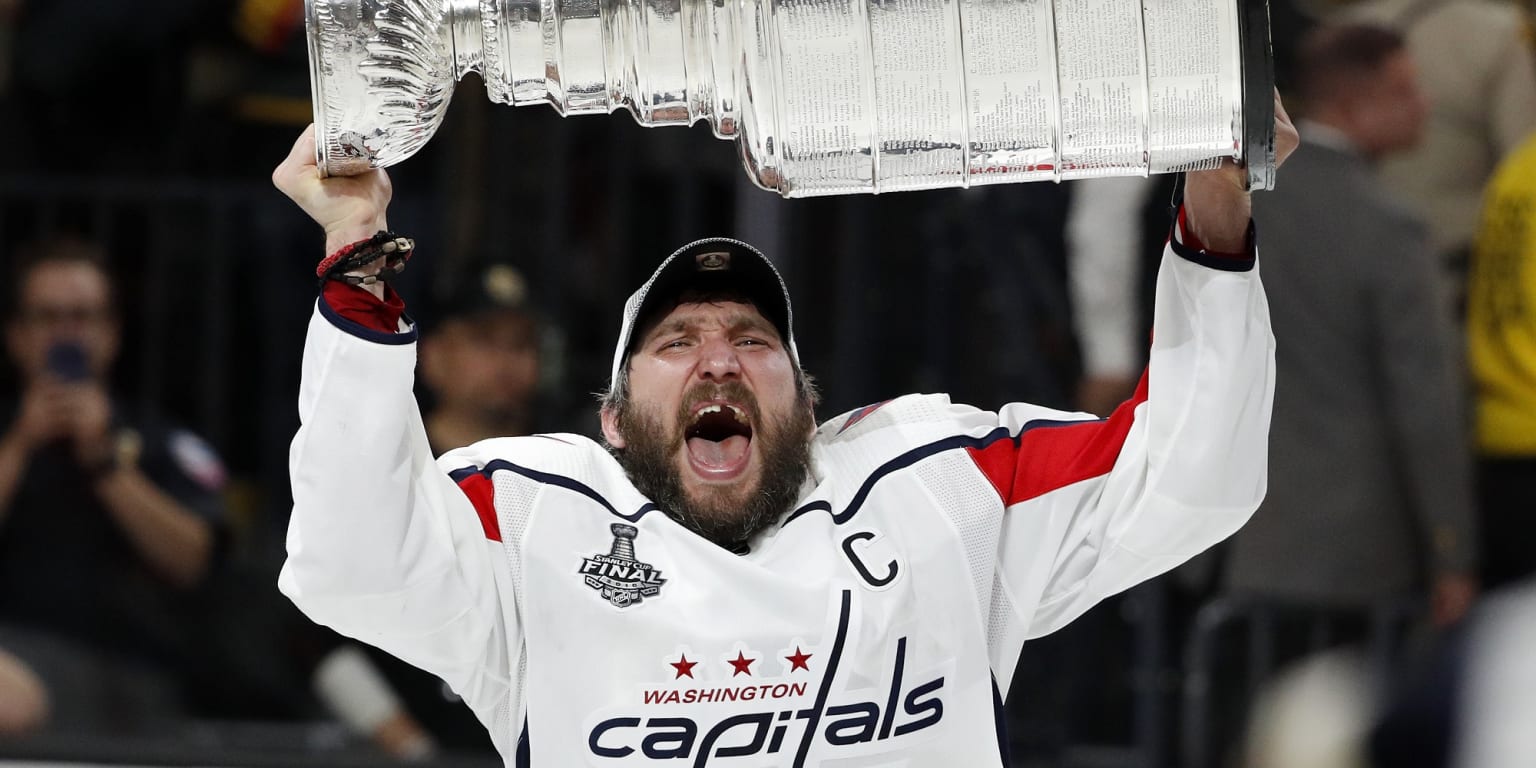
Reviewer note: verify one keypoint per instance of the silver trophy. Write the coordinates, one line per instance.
(825, 97)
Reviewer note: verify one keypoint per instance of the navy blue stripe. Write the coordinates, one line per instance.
(1223, 263)
(811, 507)
(458, 475)
(922, 452)
(363, 332)
(1000, 722)
(523, 760)
(549, 479)
(826, 680)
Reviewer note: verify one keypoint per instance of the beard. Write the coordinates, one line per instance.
(649, 458)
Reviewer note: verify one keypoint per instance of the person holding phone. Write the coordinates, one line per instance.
(108, 521)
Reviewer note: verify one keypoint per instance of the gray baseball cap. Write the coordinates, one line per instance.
(715, 263)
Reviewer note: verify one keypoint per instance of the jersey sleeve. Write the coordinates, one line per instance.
(383, 546)
(1095, 506)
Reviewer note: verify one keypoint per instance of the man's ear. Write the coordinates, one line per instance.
(611, 433)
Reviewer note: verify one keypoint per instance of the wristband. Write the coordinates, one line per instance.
(393, 248)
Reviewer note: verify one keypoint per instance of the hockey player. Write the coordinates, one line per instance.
(725, 582)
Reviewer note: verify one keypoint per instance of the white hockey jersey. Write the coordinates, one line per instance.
(877, 625)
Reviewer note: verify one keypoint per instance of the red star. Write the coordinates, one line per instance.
(798, 660)
(742, 664)
(683, 666)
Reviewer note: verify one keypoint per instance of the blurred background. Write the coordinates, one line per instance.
(159, 287)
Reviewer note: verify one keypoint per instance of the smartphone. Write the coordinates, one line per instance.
(67, 360)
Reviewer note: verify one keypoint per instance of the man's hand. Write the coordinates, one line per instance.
(1217, 205)
(90, 422)
(349, 208)
(44, 416)
(79, 412)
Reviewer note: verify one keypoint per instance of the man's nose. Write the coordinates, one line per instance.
(718, 360)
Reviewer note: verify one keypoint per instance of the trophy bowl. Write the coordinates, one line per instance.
(381, 75)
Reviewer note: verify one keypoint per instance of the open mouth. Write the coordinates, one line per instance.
(719, 439)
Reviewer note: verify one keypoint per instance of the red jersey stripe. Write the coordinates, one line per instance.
(365, 309)
(1048, 457)
(477, 486)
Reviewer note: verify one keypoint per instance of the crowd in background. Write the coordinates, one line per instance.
(1372, 613)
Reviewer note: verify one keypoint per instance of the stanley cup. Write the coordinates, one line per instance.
(825, 97)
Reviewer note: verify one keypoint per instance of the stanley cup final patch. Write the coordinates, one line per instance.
(618, 576)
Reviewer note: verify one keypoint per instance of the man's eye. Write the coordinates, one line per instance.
(751, 341)
(675, 344)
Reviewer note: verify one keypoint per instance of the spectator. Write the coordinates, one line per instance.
(1501, 339)
(100, 582)
(1476, 68)
(108, 520)
(1369, 503)
(1369, 494)
(481, 361)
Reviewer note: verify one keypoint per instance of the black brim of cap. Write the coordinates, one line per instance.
(743, 271)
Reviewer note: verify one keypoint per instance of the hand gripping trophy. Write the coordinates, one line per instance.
(825, 97)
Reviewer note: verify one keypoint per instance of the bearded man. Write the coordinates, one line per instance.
(727, 583)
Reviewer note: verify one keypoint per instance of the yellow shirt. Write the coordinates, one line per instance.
(1501, 311)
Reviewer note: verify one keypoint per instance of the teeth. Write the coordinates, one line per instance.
(740, 415)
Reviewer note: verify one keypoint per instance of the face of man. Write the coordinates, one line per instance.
(488, 363)
(1391, 109)
(63, 302)
(715, 429)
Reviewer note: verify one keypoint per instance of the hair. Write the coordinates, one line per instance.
(55, 251)
(1334, 57)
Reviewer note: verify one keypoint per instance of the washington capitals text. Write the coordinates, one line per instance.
(844, 724)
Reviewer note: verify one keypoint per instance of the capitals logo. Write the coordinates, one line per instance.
(618, 576)
(788, 720)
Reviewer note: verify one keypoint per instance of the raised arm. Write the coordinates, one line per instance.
(382, 545)
(1096, 506)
